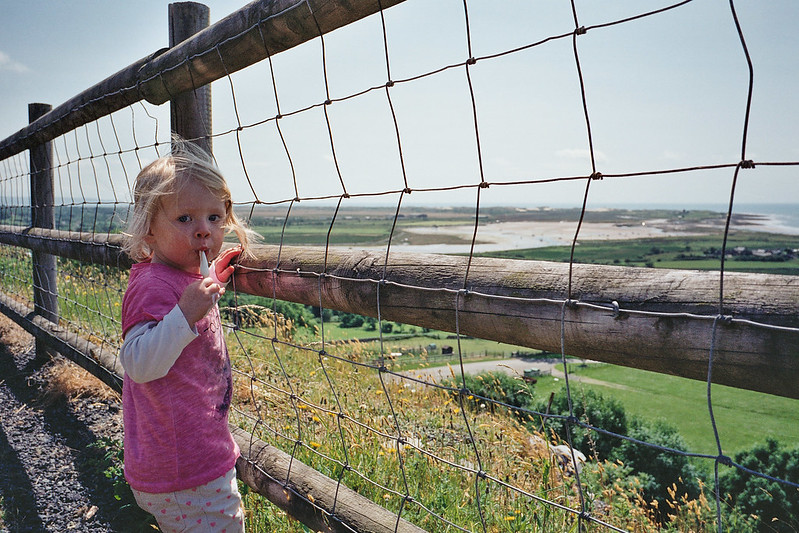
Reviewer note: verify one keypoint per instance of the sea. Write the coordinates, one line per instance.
(782, 218)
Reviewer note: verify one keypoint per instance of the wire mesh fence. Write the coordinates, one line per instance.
(341, 170)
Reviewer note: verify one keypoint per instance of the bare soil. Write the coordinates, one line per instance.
(51, 471)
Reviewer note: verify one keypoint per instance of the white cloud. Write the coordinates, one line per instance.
(582, 154)
(8, 64)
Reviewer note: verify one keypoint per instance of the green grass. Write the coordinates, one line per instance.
(743, 418)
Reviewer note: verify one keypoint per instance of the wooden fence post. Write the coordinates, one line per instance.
(191, 111)
(45, 290)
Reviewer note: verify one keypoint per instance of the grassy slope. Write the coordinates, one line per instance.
(742, 417)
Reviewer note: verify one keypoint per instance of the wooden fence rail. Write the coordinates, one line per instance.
(255, 32)
(658, 320)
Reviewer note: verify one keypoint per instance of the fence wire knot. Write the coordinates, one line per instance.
(725, 460)
(747, 163)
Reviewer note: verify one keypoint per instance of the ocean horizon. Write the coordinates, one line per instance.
(785, 215)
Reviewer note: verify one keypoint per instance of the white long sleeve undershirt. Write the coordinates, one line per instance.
(151, 348)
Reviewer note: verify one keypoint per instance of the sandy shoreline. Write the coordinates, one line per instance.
(535, 234)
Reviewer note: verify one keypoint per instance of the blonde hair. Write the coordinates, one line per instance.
(163, 177)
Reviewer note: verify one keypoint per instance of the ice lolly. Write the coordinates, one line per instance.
(205, 270)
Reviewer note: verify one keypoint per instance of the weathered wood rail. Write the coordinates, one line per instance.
(658, 320)
(651, 319)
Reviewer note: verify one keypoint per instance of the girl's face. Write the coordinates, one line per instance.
(190, 220)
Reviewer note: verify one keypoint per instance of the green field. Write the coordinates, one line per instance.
(743, 417)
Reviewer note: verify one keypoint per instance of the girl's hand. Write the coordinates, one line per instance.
(221, 269)
(199, 298)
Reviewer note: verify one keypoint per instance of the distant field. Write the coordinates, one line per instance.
(411, 339)
(681, 402)
(372, 226)
(687, 253)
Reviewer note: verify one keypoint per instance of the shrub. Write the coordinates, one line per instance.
(349, 320)
(498, 387)
(593, 409)
(658, 470)
(775, 504)
(299, 314)
(662, 469)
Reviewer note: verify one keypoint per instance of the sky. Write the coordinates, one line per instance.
(662, 92)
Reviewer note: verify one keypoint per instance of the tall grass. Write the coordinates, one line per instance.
(394, 440)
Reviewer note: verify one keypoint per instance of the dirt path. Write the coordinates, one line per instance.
(50, 478)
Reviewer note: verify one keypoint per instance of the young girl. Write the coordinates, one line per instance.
(179, 454)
